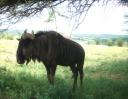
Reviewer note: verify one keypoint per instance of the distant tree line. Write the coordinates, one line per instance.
(7, 36)
(120, 41)
(112, 42)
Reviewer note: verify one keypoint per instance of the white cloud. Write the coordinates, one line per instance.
(104, 20)
(100, 19)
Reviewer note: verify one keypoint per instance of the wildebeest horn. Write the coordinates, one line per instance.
(32, 32)
(26, 35)
(25, 31)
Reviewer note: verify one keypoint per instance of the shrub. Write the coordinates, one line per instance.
(110, 42)
(119, 42)
(97, 41)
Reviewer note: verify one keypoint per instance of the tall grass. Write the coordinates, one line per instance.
(106, 76)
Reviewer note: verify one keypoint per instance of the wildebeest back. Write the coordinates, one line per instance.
(69, 52)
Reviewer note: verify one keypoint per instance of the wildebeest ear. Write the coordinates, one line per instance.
(25, 31)
(32, 32)
(33, 36)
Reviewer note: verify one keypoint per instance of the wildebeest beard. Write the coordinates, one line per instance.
(33, 49)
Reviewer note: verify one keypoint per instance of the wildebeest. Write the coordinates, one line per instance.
(52, 49)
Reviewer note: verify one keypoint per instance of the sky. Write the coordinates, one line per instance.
(105, 19)
(100, 19)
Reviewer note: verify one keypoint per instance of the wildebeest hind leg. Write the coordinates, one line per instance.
(81, 73)
(75, 75)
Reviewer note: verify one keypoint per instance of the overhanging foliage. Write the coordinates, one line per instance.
(14, 10)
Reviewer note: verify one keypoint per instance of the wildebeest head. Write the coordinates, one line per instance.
(24, 50)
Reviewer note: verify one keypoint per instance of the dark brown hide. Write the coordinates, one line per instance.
(52, 49)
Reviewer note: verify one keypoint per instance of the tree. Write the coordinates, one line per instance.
(119, 42)
(126, 22)
(15, 10)
(97, 41)
(110, 42)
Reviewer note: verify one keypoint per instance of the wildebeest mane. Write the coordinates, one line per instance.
(41, 33)
(49, 41)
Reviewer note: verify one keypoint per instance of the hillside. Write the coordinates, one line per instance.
(86, 37)
(75, 36)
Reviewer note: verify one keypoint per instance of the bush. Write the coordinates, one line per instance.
(110, 42)
(119, 42)
(97, 41)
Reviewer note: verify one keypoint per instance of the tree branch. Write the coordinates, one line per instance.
(15, 10)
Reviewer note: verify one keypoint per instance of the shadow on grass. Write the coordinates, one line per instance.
(25, 86)
(114, 67)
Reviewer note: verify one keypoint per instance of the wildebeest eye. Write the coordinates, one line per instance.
(25, 42)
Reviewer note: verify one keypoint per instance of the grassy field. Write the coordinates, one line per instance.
(106, 76)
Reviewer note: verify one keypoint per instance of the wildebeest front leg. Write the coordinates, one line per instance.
(48, 74)
(52, 72)
(51, 69)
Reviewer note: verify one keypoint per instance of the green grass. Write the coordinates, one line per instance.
(105, 68)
